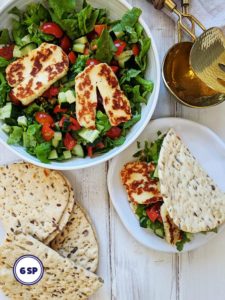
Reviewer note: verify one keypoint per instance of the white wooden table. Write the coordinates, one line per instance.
(130, 271)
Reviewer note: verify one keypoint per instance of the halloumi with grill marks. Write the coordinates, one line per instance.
(86, 97)
(140, 187)
(115, 103)
(172, 232)
(33, 74)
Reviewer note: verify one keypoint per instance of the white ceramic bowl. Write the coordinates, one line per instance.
(116, 9)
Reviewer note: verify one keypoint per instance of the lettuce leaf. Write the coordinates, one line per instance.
(42, 151)
(15, 136)
(106, 47)
(128, 20)
(4, 90)
(61, 7)
(4, 37)
(141, 58)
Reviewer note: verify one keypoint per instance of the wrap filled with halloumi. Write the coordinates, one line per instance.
(171, 193)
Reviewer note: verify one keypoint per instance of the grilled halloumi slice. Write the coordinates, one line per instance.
(140, 187)
(115, 103)
(33, 74)
(172, 232)
(86, 97)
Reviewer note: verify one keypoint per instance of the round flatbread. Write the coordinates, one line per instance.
(66, 214)
(77, 241)
(62, 279)
(32, 199)
(192, 199)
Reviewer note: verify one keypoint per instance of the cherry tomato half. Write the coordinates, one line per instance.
(92, 62)
(114, 132)
(51, 92)
(74, 124)
(13, 98)
(7, 52)
(65, 43)
(47, 132)
(120, 45)
(135, 49)
(58, 109)
(52, 28)
(100, 28)
(90, 151)
(72, 57)
(69, 141)
(43, 118)
(153, 212)
(114, 68)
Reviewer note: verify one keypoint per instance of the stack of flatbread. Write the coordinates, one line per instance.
(38, 211)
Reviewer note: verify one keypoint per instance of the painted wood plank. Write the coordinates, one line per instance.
(201, 272)
(137, 272)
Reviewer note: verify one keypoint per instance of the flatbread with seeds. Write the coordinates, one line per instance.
(66, 214)
(77, 241)
(32, 199)
(191, 197)
(62, 279)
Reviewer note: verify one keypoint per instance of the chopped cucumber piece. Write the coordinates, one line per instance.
(62, 97)
(81, 40)
(156, 173)
(56, 139)
(6, 128)
(26, 39)
(53, 155)
(5, 111)
(78, 151)
(119, 34)
(79, 48)
(27, 49)
(16, 52)
(67, 154)
(58, 136)
(70, 97)
(20, 52)
(124, 57)
(67, 96)
(22, 121)
(159, 232)
(89, 135)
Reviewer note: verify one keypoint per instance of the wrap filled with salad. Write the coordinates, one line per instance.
(171, 193)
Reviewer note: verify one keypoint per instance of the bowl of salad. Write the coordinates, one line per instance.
(79, 81)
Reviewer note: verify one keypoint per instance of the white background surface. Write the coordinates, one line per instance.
(131, 271)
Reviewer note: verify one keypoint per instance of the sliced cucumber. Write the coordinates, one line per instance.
(124, 57)
(6, 128)
(53, 155)
(89, 135)
(81, 40)
(22, 121)
(5, 111)
(67, 154)
(78, 151)
(70, 97)
(79, 48)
